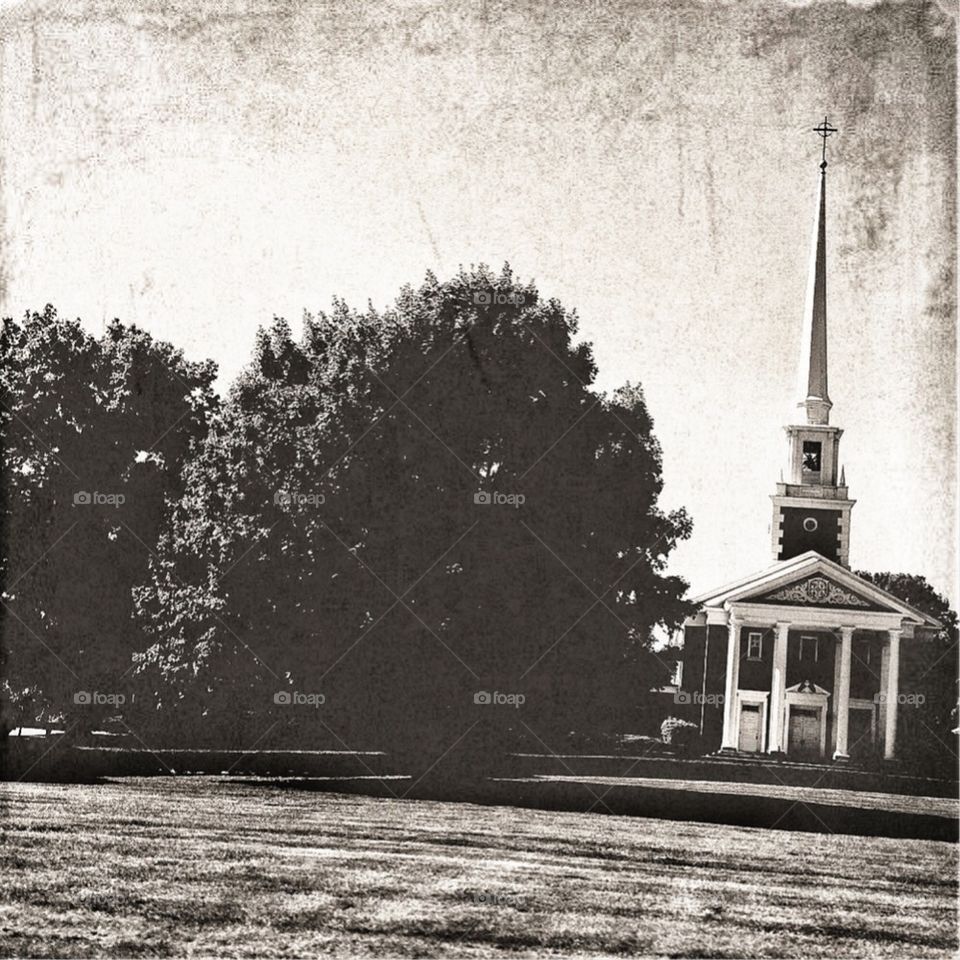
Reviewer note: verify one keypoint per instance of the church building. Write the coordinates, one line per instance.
(803, 657)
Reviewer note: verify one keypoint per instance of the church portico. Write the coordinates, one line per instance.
(793, 680)
(807, 657)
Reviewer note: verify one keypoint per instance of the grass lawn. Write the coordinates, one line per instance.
(208, 866)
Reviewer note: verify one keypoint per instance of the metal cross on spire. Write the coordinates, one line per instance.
(824, 130)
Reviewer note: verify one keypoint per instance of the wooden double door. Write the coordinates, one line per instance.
(803, 734)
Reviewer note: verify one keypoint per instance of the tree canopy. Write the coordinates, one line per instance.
(95, 434)
(401, 512)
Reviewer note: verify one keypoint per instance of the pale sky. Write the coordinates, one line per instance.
(196, 168)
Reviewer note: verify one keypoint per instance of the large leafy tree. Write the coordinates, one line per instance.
(403, 511)
(95, 434)
(929, 676)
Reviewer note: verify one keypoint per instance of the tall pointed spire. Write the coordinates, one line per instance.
(811, 509)
(813, 394)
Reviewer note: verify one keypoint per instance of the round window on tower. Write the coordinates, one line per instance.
(810, 524)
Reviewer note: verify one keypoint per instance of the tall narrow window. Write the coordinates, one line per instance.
(810, 648)
(754, 646)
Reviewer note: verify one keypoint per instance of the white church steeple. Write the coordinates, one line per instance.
(811, 510)
(813, 393)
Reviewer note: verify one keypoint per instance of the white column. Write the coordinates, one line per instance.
(841, 704)
(778, 686)
(881, 697)
(892, 695)
(731, 735)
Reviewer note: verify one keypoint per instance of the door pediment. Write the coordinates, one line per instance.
(809, 688)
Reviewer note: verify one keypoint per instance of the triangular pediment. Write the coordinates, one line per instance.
(817, 591)
(810, 580)
(808, 687)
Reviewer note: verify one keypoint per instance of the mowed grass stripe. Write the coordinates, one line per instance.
(861, 799)
(212, 867)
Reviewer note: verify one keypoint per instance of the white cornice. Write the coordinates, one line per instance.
(811, 503)
(798, 568)
(822, 617)
(813, 428)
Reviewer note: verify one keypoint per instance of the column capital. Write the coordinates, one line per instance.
(847, 631)
(783, 624)
(895, 633)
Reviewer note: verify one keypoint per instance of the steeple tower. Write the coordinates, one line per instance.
(812, 391)
(811, 510)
